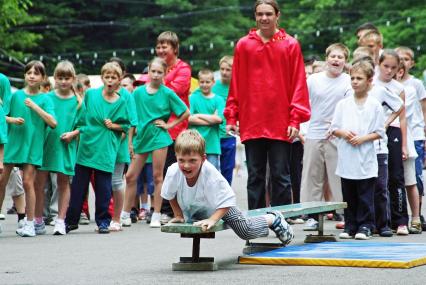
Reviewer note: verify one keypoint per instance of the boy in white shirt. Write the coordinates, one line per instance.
(198, 193)
(357, 122)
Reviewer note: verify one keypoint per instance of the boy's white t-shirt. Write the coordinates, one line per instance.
(410, 104)
(416, 121)
(396, 88)
(210, 192)
(390, 102)
(358, 162)
(324, 93)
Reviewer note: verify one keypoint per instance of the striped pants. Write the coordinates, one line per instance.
(246, 228)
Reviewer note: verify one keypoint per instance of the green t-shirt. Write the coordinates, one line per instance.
(58, 155)
(26, 141)
(99, 145)
(150, 107)
(222, 90)
(200, 104)
(5, 96)
(123, 155)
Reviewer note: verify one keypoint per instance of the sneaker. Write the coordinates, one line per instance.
(281, 228)
(148, 216)
(40, 229)
(155, 223)
(59, 229)
(415, 228)
(346, 235)
(134, 215)
(2, 216)
(21, 223)
(103, 230)
(84, 219)
(69, 228)
(311, 225)
(363, 233)
(165, 219)
(340, 225)
(142, 214)
(115, 227)
(402, 230)
(386, 232)
(11, 211)
(27, 231)
(126, 221)
(423, 222)
(329, 216)
(52, 223)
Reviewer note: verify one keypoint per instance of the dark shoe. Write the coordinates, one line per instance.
(386, 232)
(134, 215)
(69, 228)
(11, 211)
(103, 230)
(148, 216)
(363, 233)
(337, 217)
(422, 220)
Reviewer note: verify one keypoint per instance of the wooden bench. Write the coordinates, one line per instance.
(197, 263)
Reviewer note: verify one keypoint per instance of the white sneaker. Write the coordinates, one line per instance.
(59, 229)
(2, 216)
(28, 230)
(126, 221)
(21, 223)
(40, 229)
(345, 235)
(155, 224)
(402, 230)
(165, 219)
(115, 227)
(311, 225)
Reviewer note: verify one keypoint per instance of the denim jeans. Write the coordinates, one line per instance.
(258, 152)
(420, 149)
(228, 147)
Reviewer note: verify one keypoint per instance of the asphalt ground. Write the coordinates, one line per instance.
(141, 255)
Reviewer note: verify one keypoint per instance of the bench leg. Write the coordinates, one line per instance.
(195, 262)
(320, 237)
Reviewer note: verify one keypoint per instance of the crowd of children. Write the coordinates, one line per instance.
(364, 144)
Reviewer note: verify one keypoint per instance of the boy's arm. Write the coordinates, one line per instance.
(196, 120)
(210, 222)
(213, 119)
(358, 140)
(177, 212)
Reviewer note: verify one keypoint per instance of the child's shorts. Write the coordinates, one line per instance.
(146, 177)
(117, 177)
(410, 172)
(14, 186)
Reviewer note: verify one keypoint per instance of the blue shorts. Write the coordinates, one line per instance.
(146, 177)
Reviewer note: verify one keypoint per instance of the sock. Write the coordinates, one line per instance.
(38, 220)
(415, 219)
(145, 206)
(21, 216)
(60, 221)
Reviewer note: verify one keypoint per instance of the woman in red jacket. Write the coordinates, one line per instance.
(269, 98)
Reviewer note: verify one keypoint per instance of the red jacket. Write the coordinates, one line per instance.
(178, 79)
(268, 89)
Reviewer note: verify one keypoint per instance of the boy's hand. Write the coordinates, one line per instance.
(29, 103)
(357, 140)
(17, 121)
(161, 124)
(206, 224)
(67, 137)
(108, 123)
(177, 220)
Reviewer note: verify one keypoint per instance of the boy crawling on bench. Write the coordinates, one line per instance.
(199, 194)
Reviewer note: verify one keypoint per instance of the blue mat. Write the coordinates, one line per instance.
(353, 254)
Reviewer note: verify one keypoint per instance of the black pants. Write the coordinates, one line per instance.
(359, 194)
(258, 152)
(170, 159)
(397, 193)
(296, 159)
(381, 195)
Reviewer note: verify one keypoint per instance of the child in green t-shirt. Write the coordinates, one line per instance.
(154, 104)
(207, 115)
(107, 118)
(29, 113)
(60, 149)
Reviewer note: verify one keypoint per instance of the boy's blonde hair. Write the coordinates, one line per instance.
(228, 59)
(360, 52)
(372, 35)
(111, 67)
(206, 72)
(405, 50)
(338, 46)
(190, 141)
(365, 66)
(171, 38)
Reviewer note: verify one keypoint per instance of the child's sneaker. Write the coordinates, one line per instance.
(363, 233)
(423, 222)
(2, 216)
(346, 235)
(142, 214)
(126, 221)
(103, 230)
(40, 229)
(402, 230)
(415, 228)
(311, 225)
(28, 230)
(21, 223)
(385, 232)
(134, 215)
(84, 219)
(115, 227)
(281, 228)
(59, 229)
(165, 219)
